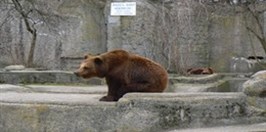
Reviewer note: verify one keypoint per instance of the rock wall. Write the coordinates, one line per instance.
(64, 29)
(184, 34)
(178, 34)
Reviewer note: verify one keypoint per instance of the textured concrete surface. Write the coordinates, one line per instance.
(209, 87)
(185, 34)
(96, 89)
(59, 108)
(255, 89)
(207, 83)
(56, 107)
(28, 76)
(259, 127)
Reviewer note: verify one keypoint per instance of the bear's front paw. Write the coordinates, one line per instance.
(108, 98)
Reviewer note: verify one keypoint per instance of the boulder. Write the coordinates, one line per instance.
(255, 89)
(256, 86)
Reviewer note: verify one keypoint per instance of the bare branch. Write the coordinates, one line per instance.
(24, 15)
(254, 33)
(30, 28)
(255, 15)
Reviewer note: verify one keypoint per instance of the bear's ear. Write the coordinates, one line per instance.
(98, 61)
(87, 56)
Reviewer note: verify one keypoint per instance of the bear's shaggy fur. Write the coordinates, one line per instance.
(207, 70)
(124, 72)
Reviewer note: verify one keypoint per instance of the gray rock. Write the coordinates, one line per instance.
(260, 75)
(255, 88)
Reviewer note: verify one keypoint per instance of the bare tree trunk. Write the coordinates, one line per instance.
(21, 48)
(30, 28)
(32, 48)
(260, 36)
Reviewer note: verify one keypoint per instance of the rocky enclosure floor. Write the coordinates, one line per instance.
(76, 108)
(67, 103)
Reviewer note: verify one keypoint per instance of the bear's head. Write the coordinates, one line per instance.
(92, 66)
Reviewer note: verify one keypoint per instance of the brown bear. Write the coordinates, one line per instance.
(124, 72)
(207, 70)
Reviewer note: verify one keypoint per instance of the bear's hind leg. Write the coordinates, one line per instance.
(144, 87)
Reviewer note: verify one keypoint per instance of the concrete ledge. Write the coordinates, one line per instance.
(12, 88)
(95, 89)
(207, 87)
(195, 78)
(221, 82)
(51, 99)
(260, 127)
(48, 109)
(40, 77)
(188, 110)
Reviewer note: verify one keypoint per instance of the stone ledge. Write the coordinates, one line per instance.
(12, 88)
(202, 79)
(76, 108)
(51, 98)
(259, 127)
(134, 112)
(191, 95)
(207, 87)
(42, 77)
(94, 89)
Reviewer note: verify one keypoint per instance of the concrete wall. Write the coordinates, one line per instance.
(65, 29)
(178, 34)
(184, 34)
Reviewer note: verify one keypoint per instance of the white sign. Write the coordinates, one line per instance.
(123, 8)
